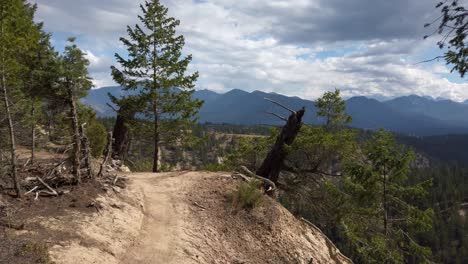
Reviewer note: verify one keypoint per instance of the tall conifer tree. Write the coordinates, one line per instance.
(378, 207)
(16, 27)
(39, 76)
(75, 83)
(156, 68)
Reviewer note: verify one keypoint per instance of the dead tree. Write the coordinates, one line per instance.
(76, 135)
(273, 162)
(86, 151)
(11, 131)
(107, 154)
(33, 133)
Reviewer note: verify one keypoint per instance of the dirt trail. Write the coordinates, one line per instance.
(166, 214)
(189, 219)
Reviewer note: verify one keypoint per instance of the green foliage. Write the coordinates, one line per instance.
(97, 136)
(249, 151)
(145, 165)
(141, 165)
(248, 195)
(332, 107)
(453, 29)
(155, 67)
(164, 167)
(380, 218)
(215, 167)
(319, 150)
(448, 238)
(74, 72)
(39, 251)
(16, 38)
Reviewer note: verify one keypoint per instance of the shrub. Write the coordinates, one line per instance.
(248, 195)
(215, 167)
(145, 165)
(97, 136)
(164, 167)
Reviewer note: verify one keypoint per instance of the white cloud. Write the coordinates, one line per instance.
(295, 47)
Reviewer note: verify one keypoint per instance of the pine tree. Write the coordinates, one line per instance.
(75, 83)
(381, 216)
(39, 75)
(16, 27)
(156, 69)
(332, 107)
(321, 149)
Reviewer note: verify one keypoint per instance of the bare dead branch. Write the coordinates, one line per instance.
(109, 105)
(281, 105)
(278, 116)
(108, 153)
(199, 205)
(53, 191)
(268, 182)
(433, 59)
(32, 190)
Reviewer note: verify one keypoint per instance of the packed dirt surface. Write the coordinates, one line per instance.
(189, 218)
(175, 217)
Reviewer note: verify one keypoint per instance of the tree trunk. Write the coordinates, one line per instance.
(121, 135)
(156, 140)
(107, 154)
(385, 215)
(76, 136)
(33, 133)
(272, 164)
(86, 151)
(11, 131)
(14, 174)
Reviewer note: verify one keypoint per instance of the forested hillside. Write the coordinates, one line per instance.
(419, 117)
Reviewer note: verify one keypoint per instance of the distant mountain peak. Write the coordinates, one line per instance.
(402, 114)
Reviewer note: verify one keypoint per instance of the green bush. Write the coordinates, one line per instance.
(215, 167)
(97, 136)
(164, 167)
(145, 165)
(248, 195)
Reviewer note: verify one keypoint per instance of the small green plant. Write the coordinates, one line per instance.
(165, 167)
(215, 167)
(145, 165)
(142, 165)
(248, 195)
(38, 251)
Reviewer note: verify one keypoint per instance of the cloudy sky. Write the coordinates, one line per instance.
(292, 47)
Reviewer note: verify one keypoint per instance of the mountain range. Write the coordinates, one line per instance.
(411, 115)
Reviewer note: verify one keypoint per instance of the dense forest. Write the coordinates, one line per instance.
(380, 197)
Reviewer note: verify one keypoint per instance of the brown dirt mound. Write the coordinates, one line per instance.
(267, 234)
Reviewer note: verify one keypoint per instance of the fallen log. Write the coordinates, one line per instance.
(32, 190)
(52, 190)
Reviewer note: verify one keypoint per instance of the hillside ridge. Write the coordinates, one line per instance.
(412, 115)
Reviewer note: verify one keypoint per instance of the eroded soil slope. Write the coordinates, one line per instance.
(189, 219)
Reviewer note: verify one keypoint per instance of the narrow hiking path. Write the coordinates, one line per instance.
(189, 218)
(163, 234)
